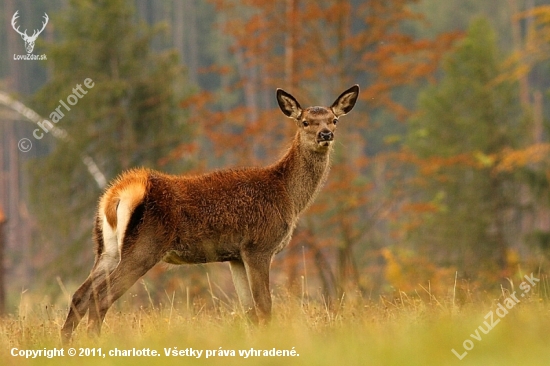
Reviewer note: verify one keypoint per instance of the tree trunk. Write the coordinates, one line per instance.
(178, 29)
(290, 43)
(15, 46)
(516, 38)
(192, 41)
(2, 277)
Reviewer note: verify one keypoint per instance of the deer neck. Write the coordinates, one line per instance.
(304, 171)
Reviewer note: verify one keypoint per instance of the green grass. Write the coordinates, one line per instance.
(408, 330)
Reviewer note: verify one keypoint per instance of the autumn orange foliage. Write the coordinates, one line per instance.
(536, 47)
(313, 49)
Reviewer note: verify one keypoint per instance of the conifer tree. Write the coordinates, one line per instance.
(129, 117)
(465, 120)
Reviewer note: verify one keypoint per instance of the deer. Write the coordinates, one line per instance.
(29, 40)
(243, 216)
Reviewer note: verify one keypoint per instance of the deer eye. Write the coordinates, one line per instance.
(335, 121)
(305, 123)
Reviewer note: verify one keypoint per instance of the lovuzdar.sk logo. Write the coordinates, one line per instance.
(29, 40)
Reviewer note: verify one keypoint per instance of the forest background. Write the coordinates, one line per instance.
(440, 178)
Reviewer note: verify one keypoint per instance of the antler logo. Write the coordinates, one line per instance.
(29, 40)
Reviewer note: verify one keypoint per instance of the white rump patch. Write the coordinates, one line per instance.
(111, 253)
(123, 213)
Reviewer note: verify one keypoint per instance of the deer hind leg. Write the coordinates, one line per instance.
(105, 263)
(240, 280)
(81, 299)
(79, 306)
(136, 250)
(132, 266)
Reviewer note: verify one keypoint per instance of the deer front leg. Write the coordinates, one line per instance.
(242, 287)
(257, 270)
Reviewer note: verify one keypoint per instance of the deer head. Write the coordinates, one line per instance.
(29, 40)
(317, 124)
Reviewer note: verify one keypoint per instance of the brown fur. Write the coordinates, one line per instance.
(243, 216)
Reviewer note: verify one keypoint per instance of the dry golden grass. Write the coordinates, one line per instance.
(405, 330)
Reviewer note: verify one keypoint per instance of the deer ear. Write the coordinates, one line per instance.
(288, 104)
(345, 102)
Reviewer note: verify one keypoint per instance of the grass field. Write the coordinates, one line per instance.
(404, 330)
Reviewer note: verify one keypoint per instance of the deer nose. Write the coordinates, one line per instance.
(326, 135)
